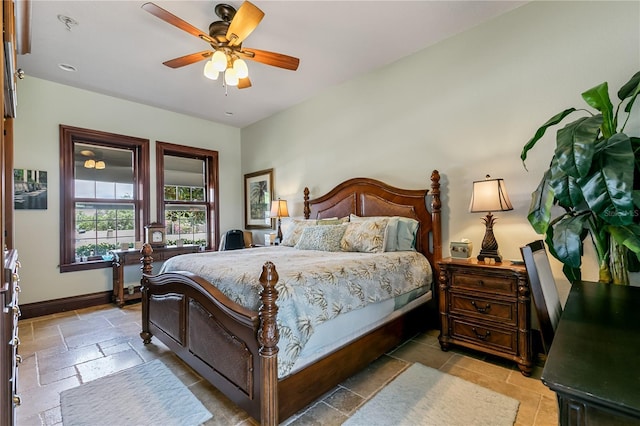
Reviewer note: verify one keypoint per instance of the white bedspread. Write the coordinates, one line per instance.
(314, 286)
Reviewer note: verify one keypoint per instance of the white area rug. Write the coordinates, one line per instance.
(424, 396)
(147, 394)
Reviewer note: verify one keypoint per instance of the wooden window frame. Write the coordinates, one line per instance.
(140, 147)
(210, 157)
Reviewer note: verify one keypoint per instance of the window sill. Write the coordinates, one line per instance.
(85, 266)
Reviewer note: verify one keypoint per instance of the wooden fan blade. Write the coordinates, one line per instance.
(271, 58)
(188, 59)
(243, 23)
(172, 19)
(244, 83)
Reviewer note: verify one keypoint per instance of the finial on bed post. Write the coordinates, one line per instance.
(436, 206)
(268, 336)
(307, 209)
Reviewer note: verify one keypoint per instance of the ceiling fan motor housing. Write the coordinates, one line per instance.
(225, 12)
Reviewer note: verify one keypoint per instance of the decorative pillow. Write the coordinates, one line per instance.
(401, 232)
(366, 236)
(292, 230)
(321, 237)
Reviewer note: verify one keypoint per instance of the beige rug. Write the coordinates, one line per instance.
(147, 394)
(425, 396)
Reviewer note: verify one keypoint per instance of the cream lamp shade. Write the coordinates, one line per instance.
(489, 195)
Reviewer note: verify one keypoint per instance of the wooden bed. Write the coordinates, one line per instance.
(207, 330)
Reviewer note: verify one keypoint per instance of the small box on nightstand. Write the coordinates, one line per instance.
(461, 250)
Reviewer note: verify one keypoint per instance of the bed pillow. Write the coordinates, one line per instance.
(407, 234)
(391, 233)
(365, 236)
(292, 230)
(401, 232)
(321, 237)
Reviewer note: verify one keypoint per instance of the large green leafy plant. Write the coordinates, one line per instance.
(591, 187)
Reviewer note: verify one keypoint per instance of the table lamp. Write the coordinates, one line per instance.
(279, 210)
(489, 195)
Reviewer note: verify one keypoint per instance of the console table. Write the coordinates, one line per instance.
(122, 258)
(592, 364)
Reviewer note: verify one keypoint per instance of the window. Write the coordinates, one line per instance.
(187, 193)
(104, 195)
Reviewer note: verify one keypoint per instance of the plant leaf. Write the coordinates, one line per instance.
(598, 98)
(575, 145)
(567, 192)
(541, 202)
(540, 132)
(631, 88)
(567, 240)
(573, 274)
(608, 189)
(628, 236)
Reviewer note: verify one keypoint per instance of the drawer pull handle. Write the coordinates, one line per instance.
(481, 336)
(479, 309)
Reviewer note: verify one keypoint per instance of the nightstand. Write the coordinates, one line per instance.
(486, 308)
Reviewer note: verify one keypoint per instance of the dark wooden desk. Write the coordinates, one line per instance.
(593, 365)
(132, 257)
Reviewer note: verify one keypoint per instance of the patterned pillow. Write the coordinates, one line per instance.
(321, 237)
(292, 230)
(366, 236)
(401, 232)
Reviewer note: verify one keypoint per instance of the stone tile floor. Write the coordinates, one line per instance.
(64, 350)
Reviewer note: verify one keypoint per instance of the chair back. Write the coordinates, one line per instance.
(543, 289)
(233, 240)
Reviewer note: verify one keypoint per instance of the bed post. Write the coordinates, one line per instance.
(268, 336)
(307, 209)
(436, 221)
(147, 268)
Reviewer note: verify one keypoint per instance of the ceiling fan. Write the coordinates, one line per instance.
(226, 37)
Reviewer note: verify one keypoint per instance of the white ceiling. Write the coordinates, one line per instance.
(118, 48)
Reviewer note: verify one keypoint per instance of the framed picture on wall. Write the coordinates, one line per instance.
(258, 193)
(29, 189)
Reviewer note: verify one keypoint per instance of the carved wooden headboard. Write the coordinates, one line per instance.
(369, 197)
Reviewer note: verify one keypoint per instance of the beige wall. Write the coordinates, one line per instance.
(42, 107)
(465, 107)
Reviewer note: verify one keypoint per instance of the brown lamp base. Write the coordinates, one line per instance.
(489, 254)
(489, 248)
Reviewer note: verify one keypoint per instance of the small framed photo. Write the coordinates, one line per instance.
(258, 194)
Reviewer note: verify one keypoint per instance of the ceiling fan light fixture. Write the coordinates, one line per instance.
(240, 66)
(230, 77)
(219, 60)
(90, 163)
(100, 165)
(210, 72)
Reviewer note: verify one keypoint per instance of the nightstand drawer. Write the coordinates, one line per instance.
(498, 284)
(503, 340)
(490, 309)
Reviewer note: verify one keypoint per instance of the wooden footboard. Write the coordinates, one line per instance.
(232, 347)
